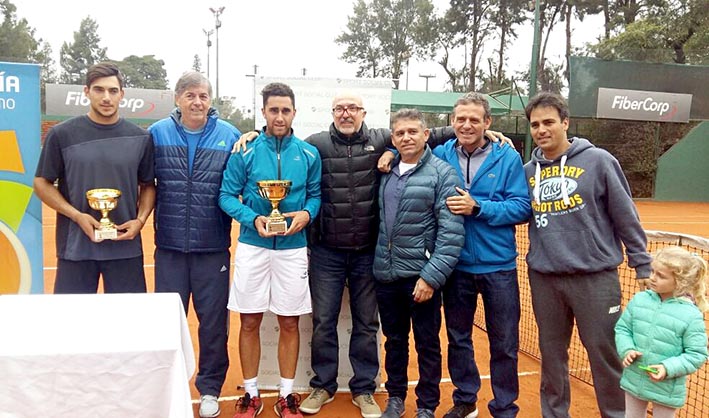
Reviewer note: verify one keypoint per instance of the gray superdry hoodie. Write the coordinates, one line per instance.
(579, 228)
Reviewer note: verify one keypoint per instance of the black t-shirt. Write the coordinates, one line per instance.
(84, 155)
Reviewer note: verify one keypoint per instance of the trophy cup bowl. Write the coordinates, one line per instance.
(104, 201)
(275, 191)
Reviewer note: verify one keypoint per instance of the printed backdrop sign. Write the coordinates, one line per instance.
(268, 374)
(20, 210)
(313, 101)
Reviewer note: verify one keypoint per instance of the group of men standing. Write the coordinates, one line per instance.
(438, 228)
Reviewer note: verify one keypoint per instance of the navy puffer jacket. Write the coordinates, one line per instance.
(426, 238)
(187, 214)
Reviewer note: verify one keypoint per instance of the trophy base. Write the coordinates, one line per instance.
(278, 227)
(102, 234)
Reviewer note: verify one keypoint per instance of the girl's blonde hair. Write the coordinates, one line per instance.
(689, 271)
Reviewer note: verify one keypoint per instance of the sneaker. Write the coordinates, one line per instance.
(463, 410)
(367, 406)
(288, 407)
(424, 413)
(248, 407)
(395, 408)
(317, 398)
(208, 406)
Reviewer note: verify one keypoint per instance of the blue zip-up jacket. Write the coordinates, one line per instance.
(499, 188)
(426, 237)
(187, 215)
(268, 158)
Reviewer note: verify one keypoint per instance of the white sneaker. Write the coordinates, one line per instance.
(208, 406)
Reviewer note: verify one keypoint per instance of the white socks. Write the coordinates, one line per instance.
(286, 387)
(251, 387)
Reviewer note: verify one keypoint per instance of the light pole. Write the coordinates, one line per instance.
(254, 93)
(217, 24)
(533, 76)
(427, 76)
(209, 45)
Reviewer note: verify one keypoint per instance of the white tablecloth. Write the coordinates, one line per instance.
(106, 355)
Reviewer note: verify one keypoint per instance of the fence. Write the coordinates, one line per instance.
(698, 393)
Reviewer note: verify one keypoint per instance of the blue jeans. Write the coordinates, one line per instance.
(399, 314)
(500, 295)
(330, 271)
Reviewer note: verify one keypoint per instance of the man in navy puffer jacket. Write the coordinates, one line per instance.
(418, 246)
(192, 234)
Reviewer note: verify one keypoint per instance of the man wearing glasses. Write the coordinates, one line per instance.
(342, 241)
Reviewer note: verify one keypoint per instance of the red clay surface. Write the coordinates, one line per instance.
(688, 218)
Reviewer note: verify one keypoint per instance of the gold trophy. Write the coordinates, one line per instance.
(104, 201)
(274, 191)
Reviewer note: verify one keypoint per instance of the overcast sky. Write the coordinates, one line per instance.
(280, 36)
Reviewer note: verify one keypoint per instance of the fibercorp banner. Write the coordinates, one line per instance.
(643, 105)
(69, 100)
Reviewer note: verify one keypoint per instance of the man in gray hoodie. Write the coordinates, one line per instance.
(582, 213)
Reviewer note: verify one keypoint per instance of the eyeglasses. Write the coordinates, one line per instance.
(351, 109)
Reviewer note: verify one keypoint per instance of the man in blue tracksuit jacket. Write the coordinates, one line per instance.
(271, 268)
(192, 234)
(494, 200)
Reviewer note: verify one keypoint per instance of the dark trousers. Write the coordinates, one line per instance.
(592, 300)
(398, 313)
(206, 277)
(500, 296)
(330, 271)
(119, 276)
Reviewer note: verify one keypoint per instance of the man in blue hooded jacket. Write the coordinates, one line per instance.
(493, 201)
(192, 234)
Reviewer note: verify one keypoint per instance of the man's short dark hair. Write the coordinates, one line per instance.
(548, 99)
(278, 90)
(103, 69)
(192, 79)
(474, 98)
(408, 114)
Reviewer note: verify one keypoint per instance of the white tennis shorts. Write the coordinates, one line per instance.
(270, 280)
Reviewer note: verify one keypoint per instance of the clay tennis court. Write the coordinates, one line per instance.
(679, 217)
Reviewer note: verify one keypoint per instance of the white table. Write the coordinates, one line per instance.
(105, 355)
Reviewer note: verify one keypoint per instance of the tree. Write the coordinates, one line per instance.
(75, 58)
(466, 24)
(197, 63)
(17, 41)
(505, 16)
(675, 31)
(383, 35)
(144, 72)
(231, 114)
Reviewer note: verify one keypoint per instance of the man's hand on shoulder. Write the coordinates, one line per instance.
(496, 136)
(384, 163)
(245, 138)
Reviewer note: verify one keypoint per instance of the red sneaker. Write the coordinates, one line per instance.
(288, 407)
(248, 407)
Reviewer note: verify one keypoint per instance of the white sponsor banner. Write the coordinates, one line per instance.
(69, 100)
(268, 374)
(643, 105)
(313, 101)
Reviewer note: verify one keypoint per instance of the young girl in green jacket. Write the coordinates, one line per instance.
(661, 336)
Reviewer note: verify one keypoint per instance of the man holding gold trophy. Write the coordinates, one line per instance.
(95, 159)
(277, 173)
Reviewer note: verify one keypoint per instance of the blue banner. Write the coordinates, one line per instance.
(20, 211)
